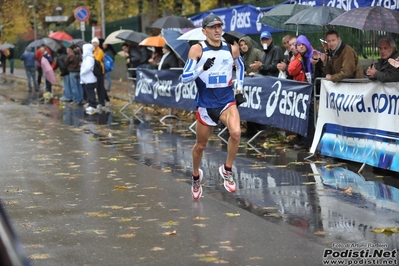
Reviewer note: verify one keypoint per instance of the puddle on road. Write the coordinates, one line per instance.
(325, 200)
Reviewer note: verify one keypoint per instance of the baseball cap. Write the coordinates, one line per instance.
(265, 35)
(211, 20)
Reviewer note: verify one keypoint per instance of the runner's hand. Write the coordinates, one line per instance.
(209, 63)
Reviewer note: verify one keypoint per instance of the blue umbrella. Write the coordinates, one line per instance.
(179, 47)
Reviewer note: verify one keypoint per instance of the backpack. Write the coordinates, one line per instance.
(97, 69)
(108, 63)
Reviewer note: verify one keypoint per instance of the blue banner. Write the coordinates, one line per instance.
(271, 101)
(241, 18)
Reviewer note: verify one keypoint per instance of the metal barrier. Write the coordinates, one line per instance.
(131, 94)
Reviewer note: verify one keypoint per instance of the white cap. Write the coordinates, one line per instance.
(95, 39)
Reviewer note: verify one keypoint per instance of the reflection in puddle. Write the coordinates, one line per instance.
(277, 184)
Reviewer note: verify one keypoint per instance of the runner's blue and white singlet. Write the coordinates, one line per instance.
(215, 85)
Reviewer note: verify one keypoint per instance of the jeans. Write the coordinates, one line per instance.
(107, 75)
(67, 87)
(31, 76)
(12, 66)
(77, 90)
(91, 95)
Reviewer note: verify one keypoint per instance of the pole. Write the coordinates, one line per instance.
(102, 19)
(34, 22)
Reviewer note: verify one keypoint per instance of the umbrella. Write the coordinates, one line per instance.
(111, 38)
(319, 16)
(78, 42)
(235, 36)
(170, 22)
(7, 46)
(50, 43)
(179, 47)
(193, 35)
(276, 17)
(155, 41)
(376, 18)
(61, 36)
(134, 36)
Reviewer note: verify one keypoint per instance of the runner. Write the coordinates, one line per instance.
(210, 64)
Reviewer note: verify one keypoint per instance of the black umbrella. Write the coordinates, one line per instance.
(134, 36)
(234, 36)
(171, 22)
(50, 43)
(317, 16)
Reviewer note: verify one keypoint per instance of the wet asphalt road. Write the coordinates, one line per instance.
(103, 189)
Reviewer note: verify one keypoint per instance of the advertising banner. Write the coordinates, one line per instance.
(358, 122)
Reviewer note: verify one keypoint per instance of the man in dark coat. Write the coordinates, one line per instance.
(382, 70)
(169, 59)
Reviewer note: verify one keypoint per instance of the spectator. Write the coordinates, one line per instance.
(61, 65)
(102, 95)
(341, 61)
(295, 68)
(156, 58)
(44, 51)
(169, 59)
(282, 66)
(108, 50)
(87, 78)
(271, 56)
(73, 61)
(3, 59)
(28, 57)
(383, 71)
(38, 56)
(249, 55)
(304, 69)
(11, 59)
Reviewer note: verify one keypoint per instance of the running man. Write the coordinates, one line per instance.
(210, 64)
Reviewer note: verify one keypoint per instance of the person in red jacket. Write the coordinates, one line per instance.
(38, 56)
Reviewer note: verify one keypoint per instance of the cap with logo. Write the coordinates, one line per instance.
(265, 35)
(211, 20)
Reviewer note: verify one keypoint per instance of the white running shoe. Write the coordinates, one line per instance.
(228, 180)
(90, 110)
(196, 189)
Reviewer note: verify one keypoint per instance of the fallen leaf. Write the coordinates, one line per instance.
(199, 218)
(120, 187)
(113, 159)
(199, 225)
(127, 235)
(157, 249)
(170, 233)
(232, 214)
(256, 258)
(39, 256)
(348, 191)
(320, 233)
(273, 215)
(123, 220)
(97, 214)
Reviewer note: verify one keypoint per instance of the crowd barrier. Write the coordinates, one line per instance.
(357, 121)
(277, 102)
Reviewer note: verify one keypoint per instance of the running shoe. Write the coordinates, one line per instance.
(196, 189)
(227, 176)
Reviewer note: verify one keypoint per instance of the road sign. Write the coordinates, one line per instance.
(56, 18)
(81, 13)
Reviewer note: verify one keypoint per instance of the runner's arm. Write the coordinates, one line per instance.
(240, 69)
(191, 71)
